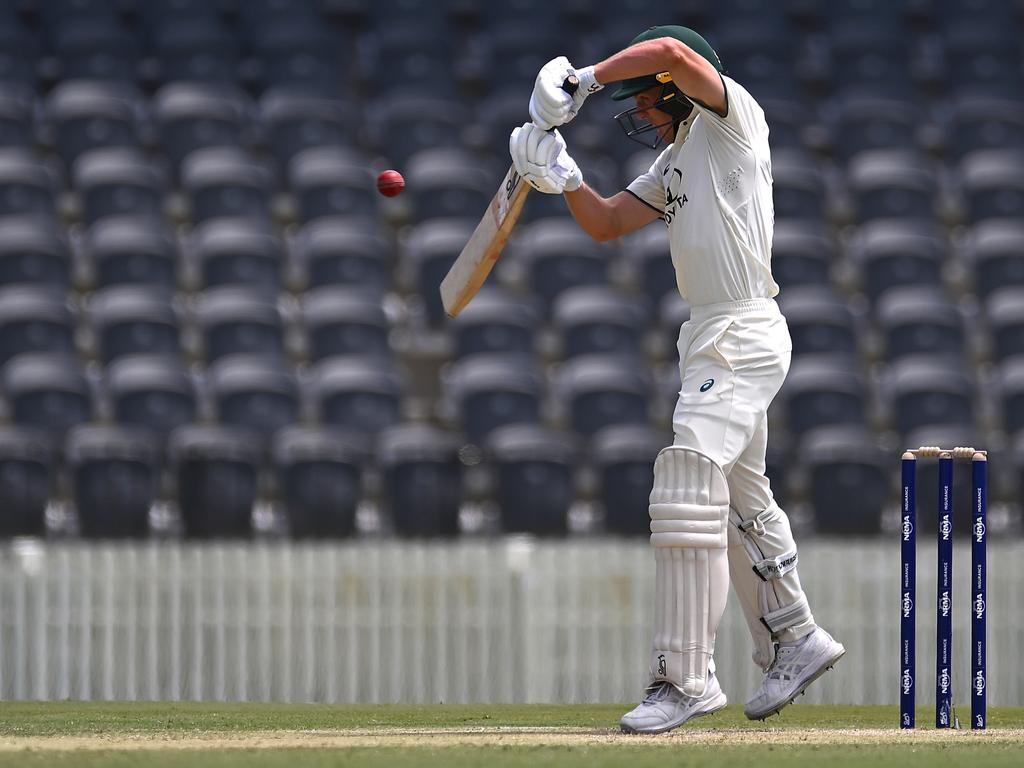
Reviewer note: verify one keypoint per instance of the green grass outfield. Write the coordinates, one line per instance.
(162, 735)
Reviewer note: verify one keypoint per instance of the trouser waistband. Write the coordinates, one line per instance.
(744, 307)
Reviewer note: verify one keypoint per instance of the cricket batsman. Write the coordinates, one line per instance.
(712, 511)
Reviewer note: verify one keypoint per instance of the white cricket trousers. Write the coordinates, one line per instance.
(733, 359)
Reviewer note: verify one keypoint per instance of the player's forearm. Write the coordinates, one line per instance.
(694, 75)
(595, 214)
(651, 56)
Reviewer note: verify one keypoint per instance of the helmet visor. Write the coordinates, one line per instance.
(671, 104)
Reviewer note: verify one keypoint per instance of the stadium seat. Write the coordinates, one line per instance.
(792, 123)
(981, 58)
(217, 469)
(820, 322)
(862, 16)
(759, 49)
(34, 319)
(328, 181)
(133, 320)
(1011, 385)
(930, 391)
(26, 185)
(977, 123)
(596, 319)
(491, 390)
(339, 250)
(871, 55)
(623, 457)
(400, 125)
(534, 477)
(426, 255)
(799, 190)
(115, 472)
(33, 251)
(344, 320)
(893, 252)
(422, 480)
(597, 391)
(196, 48)
(235, 320)
(254, 392)
(191, 116)
(116, 182)
(860, 123)
(238, 251)
(518, 47)
(131, 250)
(87, 114)
(49, 391)
(27, 480)
(920, 320)
(491, 17)
(849, 480)
(360, 394)
(295, 121)
(16, 130)
(892, 183)
(627, 15)
(448, 182)
(802, 254)
(416, 51)
(823, 391)
(648, 252)
(52, 12)
(18, 53)
(992, 15)
(558, 255)
(495, 321)
(93, 46)
(224, 182)
(992, 183)
(1005, 312)
(995, 251)
(155, 392)
(256, 14)
(152, 16)
(320, 480)
(299, 53)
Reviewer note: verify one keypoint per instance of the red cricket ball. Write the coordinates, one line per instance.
(390, 183)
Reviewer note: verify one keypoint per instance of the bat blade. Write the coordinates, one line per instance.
(479, 255)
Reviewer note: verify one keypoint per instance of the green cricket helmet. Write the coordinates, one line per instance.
(671, 100)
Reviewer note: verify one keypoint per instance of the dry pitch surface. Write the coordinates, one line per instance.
(178, 734)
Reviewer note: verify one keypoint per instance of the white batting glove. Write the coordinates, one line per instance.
(550, 106)
(542, 159)
(533, 151)
(565, 168)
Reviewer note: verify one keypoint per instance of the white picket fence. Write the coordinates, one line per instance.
(500, 620)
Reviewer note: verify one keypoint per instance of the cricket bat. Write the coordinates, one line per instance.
(481, 253)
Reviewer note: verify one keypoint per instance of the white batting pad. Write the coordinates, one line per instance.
(762, 562)
(689, 508)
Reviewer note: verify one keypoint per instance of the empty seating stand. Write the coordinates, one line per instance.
(195, 264)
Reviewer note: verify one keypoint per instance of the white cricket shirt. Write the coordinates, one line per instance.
(713, 187)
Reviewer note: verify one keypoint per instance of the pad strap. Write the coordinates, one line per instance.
(776, 567)
(788, 616)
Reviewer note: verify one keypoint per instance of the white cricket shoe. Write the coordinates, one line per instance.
(796, 666)
(664, 707)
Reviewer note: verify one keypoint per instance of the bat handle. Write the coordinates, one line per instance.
(571, 84)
